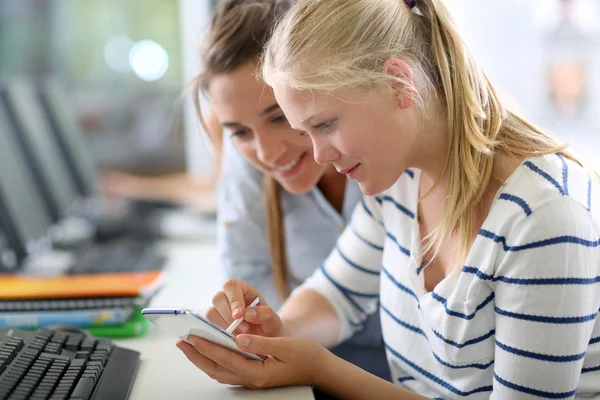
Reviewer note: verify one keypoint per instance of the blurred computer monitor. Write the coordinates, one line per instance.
(33, 134)
(23, 215)
(67, 134)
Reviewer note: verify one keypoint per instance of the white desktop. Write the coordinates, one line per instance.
(193, 279)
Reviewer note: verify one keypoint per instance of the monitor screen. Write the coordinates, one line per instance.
(68, 135)
(41, 150)
(24, 213)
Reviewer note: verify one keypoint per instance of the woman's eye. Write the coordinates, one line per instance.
(239, 133)
(280, 118)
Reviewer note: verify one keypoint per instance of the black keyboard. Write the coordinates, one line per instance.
(117, 258)
(47, 364)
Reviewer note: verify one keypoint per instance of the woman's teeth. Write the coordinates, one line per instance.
(291, 165)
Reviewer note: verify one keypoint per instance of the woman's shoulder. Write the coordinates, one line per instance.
(550, 186)
(547, 210)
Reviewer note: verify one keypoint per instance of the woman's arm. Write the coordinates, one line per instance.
(307, 314)
(292, 362)
(344, 380)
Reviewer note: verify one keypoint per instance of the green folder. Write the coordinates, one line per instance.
(136, 326)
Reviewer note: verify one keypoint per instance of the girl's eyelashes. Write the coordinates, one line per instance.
(324, 126)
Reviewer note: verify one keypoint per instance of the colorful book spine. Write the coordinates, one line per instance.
(72, 304)
(136, 326)
(82, 318)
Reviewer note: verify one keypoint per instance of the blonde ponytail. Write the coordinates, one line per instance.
(366, 33)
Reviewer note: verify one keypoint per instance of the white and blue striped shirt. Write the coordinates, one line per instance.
(519, 321)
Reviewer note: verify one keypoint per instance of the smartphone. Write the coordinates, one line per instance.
(182, 323)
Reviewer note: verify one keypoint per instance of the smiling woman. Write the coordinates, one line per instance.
(280, 212)
(250, 114)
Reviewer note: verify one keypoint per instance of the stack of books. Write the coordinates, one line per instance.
(106, 305)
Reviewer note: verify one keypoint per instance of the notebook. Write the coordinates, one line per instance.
(75, 304)
(83, 318)
(135, 284)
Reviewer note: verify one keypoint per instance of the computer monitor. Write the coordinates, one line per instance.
(23, 215)
(31, 128)
(67, 133)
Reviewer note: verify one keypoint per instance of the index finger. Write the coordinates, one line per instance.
(227, 359)
(240, 294)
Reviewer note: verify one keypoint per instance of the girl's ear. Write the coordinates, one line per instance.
(401, 81)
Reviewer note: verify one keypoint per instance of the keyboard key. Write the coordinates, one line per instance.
(17, 341)
(17, 396)
(95, 363)
(82, 355)
(104, 346)
(56, 358)
(78, 363)
(84, 389)
(33, 353)
(59, 338)
(92, 376)
(88, 345)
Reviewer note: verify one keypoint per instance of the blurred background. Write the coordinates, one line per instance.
(125, 65)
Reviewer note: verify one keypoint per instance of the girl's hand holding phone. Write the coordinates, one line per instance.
(290, 361)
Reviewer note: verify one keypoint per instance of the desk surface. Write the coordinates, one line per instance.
(193, 278)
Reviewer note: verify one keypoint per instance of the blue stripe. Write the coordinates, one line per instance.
(420, 331)
(591, 369)
(434, 378)
(406, 379)
(539, 356)
(594, 341)
(565, 174)
(358, 267)
(365, 241)
(420, 268)
(544, 174)
(398, 284)
(379, 200)
(410, 173)
(468, 342)
(404, 324)
(516, 200)
(369, 212)
(590, 194)
(458, 314)
(341, 289)
(541, 243)
(399, 206)
(400, 247)
(547, 320)
(465, 366)
(534, 392)
(350, 291)
(531, 281)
